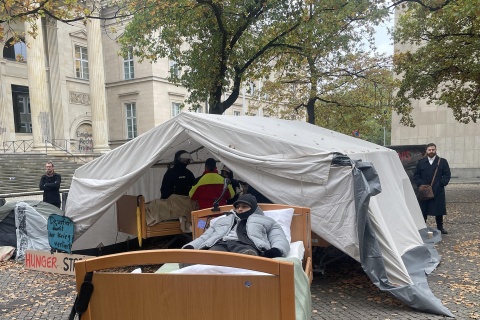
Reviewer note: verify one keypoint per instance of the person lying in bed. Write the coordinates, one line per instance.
(244, 230)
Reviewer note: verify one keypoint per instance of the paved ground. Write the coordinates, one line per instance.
(343, 292)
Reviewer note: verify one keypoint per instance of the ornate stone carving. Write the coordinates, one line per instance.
(79, 98)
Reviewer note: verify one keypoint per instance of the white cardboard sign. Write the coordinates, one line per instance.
(56, 262)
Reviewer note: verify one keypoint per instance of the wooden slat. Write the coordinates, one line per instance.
(163, 229)
(287, 292)
(205, 297)
(185, 256)
(127, 214)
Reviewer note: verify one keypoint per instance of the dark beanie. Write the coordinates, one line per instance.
(247, 199)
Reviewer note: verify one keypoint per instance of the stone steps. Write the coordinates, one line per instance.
(21, 172)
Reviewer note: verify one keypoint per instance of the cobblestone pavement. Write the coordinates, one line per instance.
(342, 292)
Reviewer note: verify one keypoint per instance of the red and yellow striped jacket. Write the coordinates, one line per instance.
(209, 188)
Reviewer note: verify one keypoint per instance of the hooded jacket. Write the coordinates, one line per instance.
(264, 232)
(177, 180)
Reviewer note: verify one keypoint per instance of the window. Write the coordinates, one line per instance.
(236, 113)
(131, 116)
(81, 62)
(21, 109)
(128, 68)
(176, 109)
(15, 51)
(252, 88)
(174, 70)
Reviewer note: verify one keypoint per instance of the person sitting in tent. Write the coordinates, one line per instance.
(210, 187)
(242, 187)
(245, 230)
(178, 179)
(227, 173)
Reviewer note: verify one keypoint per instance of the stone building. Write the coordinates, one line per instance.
(69, 88)
(459, 143)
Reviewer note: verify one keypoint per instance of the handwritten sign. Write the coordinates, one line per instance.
(52, 262)
(60, 232)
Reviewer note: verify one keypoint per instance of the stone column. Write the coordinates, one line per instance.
(38, 87)
(57, 85)
(97, 87)
(3, 106)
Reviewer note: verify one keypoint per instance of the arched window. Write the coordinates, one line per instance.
(15, 51)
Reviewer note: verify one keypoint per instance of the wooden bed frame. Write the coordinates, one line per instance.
(127, 220)
(148, 296)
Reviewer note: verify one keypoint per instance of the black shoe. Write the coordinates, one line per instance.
(443, 231)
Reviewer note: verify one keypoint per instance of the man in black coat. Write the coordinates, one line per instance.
(424, 175)
(50, 184)
(178, 179)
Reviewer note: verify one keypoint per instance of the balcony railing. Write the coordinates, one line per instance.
(17, 146)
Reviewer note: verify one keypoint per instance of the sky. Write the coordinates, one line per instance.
(382, 38)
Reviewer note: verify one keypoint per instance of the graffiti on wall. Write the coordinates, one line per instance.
(84, 138)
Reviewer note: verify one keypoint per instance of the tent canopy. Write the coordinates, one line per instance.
(290, 162)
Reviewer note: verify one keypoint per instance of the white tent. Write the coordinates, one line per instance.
(289, 162)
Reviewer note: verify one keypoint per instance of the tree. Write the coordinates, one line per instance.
(214, 42)
(443, 64)
(327, 70)
(370, 114)
(15, 11)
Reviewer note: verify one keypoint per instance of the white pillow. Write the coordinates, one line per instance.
(284, 218)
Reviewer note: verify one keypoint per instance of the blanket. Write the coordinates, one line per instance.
(173, 208)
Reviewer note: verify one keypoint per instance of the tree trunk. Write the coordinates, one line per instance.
(311, 110)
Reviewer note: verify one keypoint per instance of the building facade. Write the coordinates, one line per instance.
(69, 88)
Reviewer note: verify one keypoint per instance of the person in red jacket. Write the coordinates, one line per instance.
(209, 187)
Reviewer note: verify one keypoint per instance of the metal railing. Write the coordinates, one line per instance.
(18, 146)
(58, 147)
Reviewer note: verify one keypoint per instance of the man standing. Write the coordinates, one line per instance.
(424, 174)
(178, 179)
(209, 187)
(50, 184)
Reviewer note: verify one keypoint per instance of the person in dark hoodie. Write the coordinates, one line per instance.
(178, 179)
(244, 230)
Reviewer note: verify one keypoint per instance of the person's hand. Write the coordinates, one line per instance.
(188, 247)
(272, 253)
